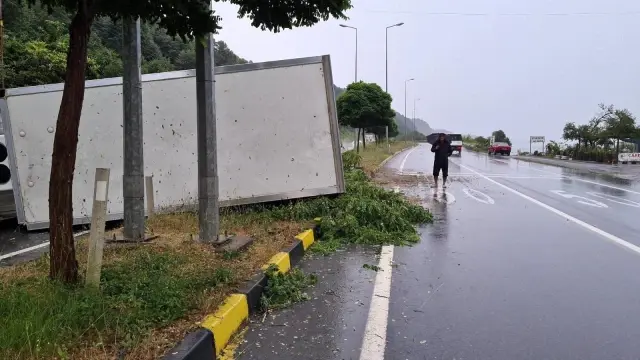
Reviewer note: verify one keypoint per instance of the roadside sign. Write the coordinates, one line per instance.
(493, 139)
(628, 157)
(537, 139)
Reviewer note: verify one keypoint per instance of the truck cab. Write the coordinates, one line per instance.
(456, 143)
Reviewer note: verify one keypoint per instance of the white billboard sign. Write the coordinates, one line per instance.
(537, 139)
(277, 129)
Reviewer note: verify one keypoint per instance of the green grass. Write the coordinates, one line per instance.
(40, 317)
(149, 287)
(284, 290)
(364, 214)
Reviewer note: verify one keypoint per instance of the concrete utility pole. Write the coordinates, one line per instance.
(356, 29)
(386, 55)
(208, 207)
(405, 106)
(133, 177)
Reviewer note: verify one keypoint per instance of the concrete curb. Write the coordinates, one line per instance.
(218, 328)
(384, 162)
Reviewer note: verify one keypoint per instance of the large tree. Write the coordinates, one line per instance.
(620, 124)
(365, 106)
(186, 19)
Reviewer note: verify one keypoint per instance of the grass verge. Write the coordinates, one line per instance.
(150, 295)
(374, 154)
(153, 294)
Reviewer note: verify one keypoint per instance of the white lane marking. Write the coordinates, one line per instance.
(615, 199)
(523, 177)
(35, 247)
(587, 181)
(404, 161)
(585, 201)
(605, 185)
(614, 239)
(375, 333)
(473, 193)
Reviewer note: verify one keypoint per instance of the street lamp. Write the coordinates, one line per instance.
(356, 29)
(386, 54)
(405, 105)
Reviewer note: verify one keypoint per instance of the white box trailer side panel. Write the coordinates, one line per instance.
(277, 136)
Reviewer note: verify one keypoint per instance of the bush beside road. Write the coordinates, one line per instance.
(152, 294)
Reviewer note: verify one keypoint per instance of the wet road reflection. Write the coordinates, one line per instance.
(509, 279)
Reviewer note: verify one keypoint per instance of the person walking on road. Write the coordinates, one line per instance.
(442, 150)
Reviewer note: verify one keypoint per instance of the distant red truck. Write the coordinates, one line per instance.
(500, 148)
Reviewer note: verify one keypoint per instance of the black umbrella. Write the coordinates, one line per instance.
(434, 137)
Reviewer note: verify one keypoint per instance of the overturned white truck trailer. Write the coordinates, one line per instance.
(277, 129)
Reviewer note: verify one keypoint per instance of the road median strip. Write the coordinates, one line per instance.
(218, 328)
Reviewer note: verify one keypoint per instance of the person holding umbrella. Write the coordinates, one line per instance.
(442, 150)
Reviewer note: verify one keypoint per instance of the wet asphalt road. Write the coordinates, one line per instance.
(509, 279)
(524, 261)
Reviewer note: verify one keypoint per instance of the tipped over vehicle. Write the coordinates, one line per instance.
(500, 148)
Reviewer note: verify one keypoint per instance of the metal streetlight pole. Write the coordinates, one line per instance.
(386, 54)
(356, 29)
(405, 105)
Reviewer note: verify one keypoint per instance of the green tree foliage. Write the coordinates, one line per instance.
(187, 20)
(36, 44)
(595, 139)
(500, 136)
(553, 148)
(366, 106)
(620, 124)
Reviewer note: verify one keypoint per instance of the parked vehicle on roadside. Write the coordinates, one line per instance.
(500, 148)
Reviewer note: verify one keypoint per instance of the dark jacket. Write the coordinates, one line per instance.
(443, 152)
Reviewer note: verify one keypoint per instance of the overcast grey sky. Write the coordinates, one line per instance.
(523, 66)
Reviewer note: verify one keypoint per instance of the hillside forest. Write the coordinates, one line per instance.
(35, 44)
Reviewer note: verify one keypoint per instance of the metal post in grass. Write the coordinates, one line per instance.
(98, 220)
(151, 205)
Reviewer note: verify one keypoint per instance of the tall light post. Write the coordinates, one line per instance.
(386, 54)
(405, 105)
(356, 29)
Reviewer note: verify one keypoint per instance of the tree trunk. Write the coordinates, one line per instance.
(64, 266)
(358, 141)
(364, 140)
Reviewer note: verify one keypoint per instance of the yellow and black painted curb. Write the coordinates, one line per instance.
(218, 328)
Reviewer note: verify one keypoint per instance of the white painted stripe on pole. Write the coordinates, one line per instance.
(375, 333)
(101, 190)
(568, 217)
(35, 247)
(404, 161)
